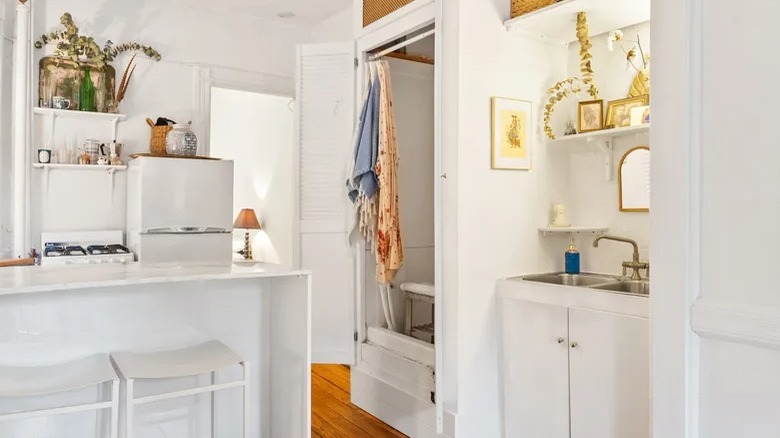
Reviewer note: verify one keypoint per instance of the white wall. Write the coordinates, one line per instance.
(413, 101)
(499, 212)
(336, 28)
(740, 210)
(591, 198)
(256, 132)
(229, 44)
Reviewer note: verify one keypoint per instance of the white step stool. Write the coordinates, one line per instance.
(419, 292)
(200, 359)
(53, 379)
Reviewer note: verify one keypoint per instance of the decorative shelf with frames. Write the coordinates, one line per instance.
(556, 23)
(604, 139)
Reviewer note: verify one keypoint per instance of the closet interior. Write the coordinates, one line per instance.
(399, 315)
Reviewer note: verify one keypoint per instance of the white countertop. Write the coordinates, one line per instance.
(35, 279)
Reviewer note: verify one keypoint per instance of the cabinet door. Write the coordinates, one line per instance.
(609, 375)
(325, 100)
(535, 369)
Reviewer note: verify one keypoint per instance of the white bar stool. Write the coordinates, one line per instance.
(200, 359)
(53, 379)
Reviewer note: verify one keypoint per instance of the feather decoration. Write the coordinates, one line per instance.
(121, 92)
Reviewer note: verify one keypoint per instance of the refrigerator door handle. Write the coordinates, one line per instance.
(187, 230)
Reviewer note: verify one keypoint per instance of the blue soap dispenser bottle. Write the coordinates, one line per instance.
(572, 259)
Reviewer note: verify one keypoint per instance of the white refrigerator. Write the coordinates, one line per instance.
(180, 210)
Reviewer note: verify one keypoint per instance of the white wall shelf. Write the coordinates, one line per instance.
(605, 140)
(557, 23)
(110, 170)
(557, 231)
(52, 114)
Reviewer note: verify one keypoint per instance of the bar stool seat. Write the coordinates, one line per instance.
(51, 379)
(20, 381)
(208, 357)
(191, 361)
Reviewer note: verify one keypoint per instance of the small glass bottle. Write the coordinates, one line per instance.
(87, 92)
(572, 259)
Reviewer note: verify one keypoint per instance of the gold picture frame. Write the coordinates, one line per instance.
(590, 116)
(622, 179)
(511, 134)
(619, 111)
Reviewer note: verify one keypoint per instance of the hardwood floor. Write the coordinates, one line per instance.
(333, 416)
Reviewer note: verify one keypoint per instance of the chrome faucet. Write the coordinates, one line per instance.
(634, 264)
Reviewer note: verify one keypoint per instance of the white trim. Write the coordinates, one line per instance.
(207, 77)
(754, 325)
(360, 31)
(400, 410)
(676, 228)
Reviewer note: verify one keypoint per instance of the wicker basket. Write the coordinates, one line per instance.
(375, 10)
(521, 7)
(159, 135)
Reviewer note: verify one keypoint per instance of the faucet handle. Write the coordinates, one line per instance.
(624, 270)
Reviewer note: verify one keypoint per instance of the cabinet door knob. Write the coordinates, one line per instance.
(561, 340)
(574, 345)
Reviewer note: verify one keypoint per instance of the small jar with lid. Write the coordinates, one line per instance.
(181, 141)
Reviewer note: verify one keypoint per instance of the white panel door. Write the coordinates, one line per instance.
(610, 375)
(534, 360)
(325, 123)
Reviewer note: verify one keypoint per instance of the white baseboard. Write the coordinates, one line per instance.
(406, 413)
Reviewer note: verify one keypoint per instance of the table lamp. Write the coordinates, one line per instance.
(247, 220)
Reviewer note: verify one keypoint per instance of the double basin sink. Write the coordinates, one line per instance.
(593, 281)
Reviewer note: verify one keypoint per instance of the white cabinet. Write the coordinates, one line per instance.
(570, 372)
(609, 375)
(536, 367)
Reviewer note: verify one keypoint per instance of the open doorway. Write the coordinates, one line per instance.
(256, 131)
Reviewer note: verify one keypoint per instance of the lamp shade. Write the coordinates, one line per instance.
(247, 220)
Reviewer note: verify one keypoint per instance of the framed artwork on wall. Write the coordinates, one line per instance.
(512, 142)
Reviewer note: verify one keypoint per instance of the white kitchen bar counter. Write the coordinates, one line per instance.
(56, 314)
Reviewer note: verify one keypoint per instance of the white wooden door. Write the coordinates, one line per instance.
(534, 360)
(325, 121)
(609, 374)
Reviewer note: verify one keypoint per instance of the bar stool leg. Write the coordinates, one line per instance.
(129, 409)
(115, 409)
(246, 399)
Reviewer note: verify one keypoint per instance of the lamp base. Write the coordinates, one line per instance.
(247, 251)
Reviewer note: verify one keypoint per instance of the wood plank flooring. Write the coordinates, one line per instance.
(333, 416)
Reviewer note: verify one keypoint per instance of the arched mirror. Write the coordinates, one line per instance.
(634, 180)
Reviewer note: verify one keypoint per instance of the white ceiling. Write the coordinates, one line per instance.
(307, 12)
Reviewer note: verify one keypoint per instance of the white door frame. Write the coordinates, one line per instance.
(676, 206)
(207, 77)
(419, 15)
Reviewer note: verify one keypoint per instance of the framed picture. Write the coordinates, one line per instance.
(590, 115)
(512, 141)
(619, 111)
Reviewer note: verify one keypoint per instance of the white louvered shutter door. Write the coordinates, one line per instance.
(326, 117)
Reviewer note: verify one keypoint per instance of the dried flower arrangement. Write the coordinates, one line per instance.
(641, 84)
(574, 85)
(73, 46)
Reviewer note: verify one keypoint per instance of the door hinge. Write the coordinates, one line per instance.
(433, 397)
(355, 336)
(357, 63)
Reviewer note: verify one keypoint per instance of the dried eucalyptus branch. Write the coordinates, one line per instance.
(574, 85)
(73, 46)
